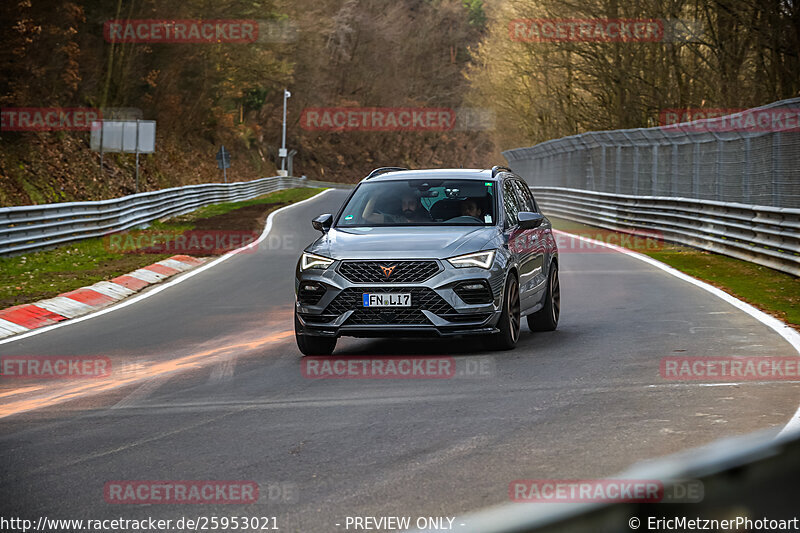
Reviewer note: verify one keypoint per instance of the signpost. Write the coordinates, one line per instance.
(224, 161)
(282, 152)
(126, 136)
(290, 157)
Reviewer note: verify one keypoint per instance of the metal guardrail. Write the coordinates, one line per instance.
(698, 183)
(752, 476)
(34, 227)
(765, 235)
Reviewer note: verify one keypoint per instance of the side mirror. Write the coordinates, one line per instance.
(528, 220)
(323, 222)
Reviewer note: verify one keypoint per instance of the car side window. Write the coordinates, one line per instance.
(510, 203)
(533, 199)
(525, 197)
(529, 194)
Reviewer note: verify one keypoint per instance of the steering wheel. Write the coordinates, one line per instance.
(466, 216)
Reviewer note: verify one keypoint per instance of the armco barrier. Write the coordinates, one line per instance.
(702, 183)
(752, 476)
(28, 228)
(768, 236)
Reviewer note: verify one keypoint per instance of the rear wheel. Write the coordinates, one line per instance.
(546, 318)
(510, 319)
(312, 345)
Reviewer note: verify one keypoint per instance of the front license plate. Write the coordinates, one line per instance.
(387, 299)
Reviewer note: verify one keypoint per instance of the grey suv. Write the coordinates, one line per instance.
(429, 253)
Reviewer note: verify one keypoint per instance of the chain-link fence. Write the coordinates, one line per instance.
(752, 157)
(729, 185)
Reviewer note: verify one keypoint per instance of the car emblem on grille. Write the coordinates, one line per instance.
(387, 271)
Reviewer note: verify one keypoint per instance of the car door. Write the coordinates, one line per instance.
(537, 243)
(520, 242)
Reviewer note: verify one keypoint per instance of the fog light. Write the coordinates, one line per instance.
(310, 292)
(474, 292)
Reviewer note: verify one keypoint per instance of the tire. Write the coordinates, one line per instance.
(546, 318)
(509, 323)
(312, 345)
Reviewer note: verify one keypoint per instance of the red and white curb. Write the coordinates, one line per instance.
(23, 318)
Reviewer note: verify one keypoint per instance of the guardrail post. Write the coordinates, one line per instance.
(589, 182)
(674, 184)
(696, 170)
(569, 162)
(776, 168)
(618, 170)
(718, 170)
(539, 169)
(636, 169)
(603, 177)
(747, 171)
(654, 179)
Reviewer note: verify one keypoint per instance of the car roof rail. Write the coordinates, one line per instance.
(497, 168)
(383, 170)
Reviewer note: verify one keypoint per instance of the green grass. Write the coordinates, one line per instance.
(47, 273)
(774, 292)
(288, 196)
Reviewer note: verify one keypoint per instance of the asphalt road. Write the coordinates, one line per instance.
(207, 385)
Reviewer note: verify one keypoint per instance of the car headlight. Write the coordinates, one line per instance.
(308, 261)
(477, 259)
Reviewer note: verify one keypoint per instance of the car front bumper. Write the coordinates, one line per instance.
(437, 310)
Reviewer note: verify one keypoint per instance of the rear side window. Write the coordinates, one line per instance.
(510, 202)
(525, 197)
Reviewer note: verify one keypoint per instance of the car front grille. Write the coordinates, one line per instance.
(421, 298)
(398, 271)
(388, 316)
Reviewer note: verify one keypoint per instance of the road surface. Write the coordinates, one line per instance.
(207, 385)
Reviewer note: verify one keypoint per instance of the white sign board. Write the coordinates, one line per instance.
(121, 113)
(121, 136)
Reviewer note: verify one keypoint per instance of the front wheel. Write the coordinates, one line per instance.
(546, 318)
(311, 345)
(510, 319)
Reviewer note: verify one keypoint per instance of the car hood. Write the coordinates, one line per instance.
(399, 243)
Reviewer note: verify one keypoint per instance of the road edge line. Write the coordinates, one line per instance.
(788, 333)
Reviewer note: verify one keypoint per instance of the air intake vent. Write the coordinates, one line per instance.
(474, 292)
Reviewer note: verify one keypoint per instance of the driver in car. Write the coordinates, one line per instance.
(413, 210)
(470, 208)
(409, 209)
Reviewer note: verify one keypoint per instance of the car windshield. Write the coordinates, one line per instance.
(421, 202)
